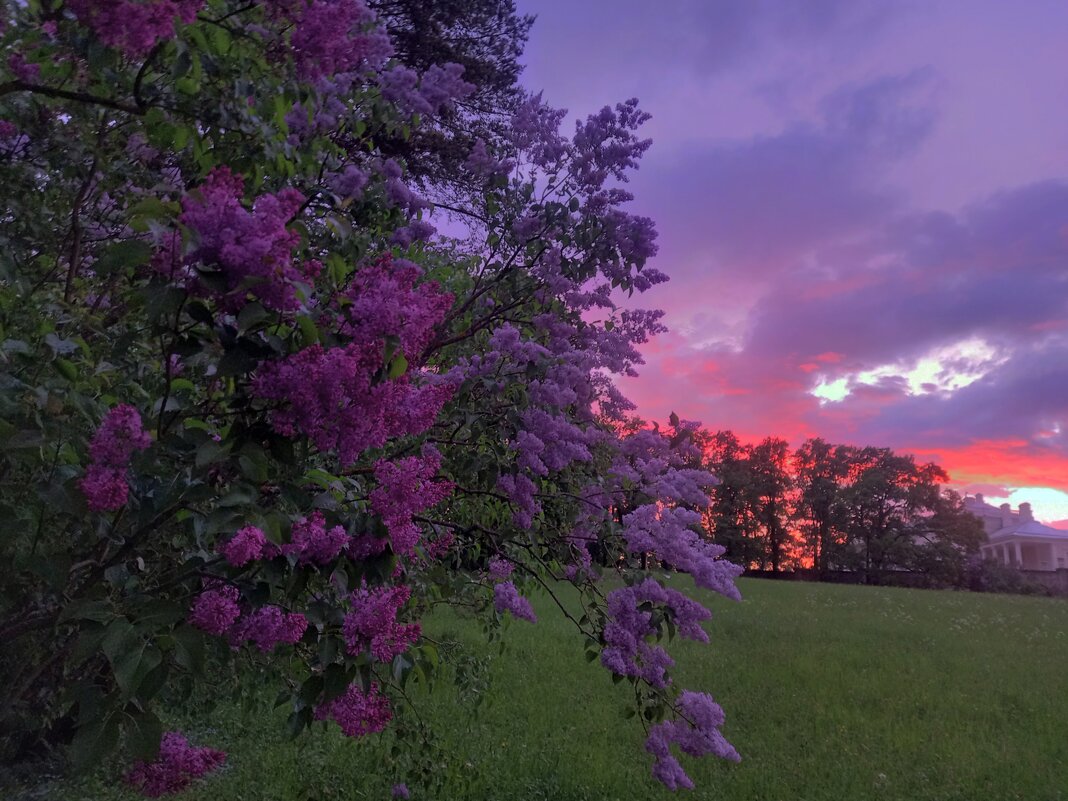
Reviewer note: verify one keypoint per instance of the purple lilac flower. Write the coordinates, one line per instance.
(498, 568)
(134, 27)
(177, 765)
(314, 543)
(111, 449)
(506, 598)
(696, 733)
(268, 627)
(372, 624)
(247, 545)
(215, 610)
(356, 712)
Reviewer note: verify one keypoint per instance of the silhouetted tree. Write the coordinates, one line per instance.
(820, 469)
(768, 497)
(729, 518)
(946, 542)
(885, 494)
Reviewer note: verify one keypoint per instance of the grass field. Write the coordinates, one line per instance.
(833, 693)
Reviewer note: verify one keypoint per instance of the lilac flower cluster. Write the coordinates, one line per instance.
(696, 733)
(331, 37)
(627, 650)
(372, 624)
(113, 445)
(313, 543)
(249, 544)
(438, 88)
(268, 627)
(177, 765)
(499, 568)
(481, 162)
(253, 249)
(506, 598)
(356, 712)
(216, 609)
(131, 26)
(385, 299)
(405, 488)
(330, 397)
(669, 533)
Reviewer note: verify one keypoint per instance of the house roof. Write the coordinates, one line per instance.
(1030, 529)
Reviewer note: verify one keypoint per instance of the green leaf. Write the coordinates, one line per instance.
(66, 369)
(398, 367)
(143, 734)
(308, 330)
(210, 452)
(126, 651)
(94, 741)
(123, 255)
(189, 649)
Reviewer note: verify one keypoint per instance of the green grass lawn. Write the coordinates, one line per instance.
(831, 692)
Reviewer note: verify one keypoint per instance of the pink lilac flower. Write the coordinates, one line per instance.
(119, 436)
(253, 249)
(506, 598)
(268, 627)
(177, 765)
(387, 299)
(405, 488)
(401, 791)
(247, 545)
(372, 623)
(105, 488)
(215, 610)
(331, 397)
(356, 712)
(696, 733)
(111, 449)
(314, 543)
(337, 36)
(134, 27)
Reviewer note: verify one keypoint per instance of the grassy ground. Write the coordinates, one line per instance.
(831, 692)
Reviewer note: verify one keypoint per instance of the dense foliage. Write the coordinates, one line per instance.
(255, 411)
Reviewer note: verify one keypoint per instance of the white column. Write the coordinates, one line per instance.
(1019, 554)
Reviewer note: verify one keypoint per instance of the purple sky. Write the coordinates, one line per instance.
(864, 210)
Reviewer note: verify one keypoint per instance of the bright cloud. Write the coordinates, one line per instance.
(944, 369)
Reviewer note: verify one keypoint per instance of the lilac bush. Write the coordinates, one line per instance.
(258, 415)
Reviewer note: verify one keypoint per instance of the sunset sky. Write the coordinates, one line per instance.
(864, 210)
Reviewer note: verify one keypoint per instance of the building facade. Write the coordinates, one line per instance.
(1016, 539)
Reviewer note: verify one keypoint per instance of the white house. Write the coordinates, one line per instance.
(1017, 539)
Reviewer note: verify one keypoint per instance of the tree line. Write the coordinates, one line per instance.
(832, 507)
